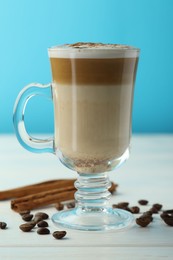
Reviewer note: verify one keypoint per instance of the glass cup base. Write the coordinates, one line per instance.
(101, 220)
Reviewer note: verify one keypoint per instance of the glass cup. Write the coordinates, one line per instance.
(92, 91)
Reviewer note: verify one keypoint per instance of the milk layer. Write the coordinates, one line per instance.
(92, 123)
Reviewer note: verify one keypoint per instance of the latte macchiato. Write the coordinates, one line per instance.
(92, 91)
(93, 94)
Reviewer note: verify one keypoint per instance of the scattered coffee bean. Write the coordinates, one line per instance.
(24, 212)
(27, 217)
(59, 234)
(168, 221)
(169, 212)
(27, 227)
(143, 221)
(59, 206)
(43, 231)
(154, 210)
(71, 205)
(167, 217)
(42, 223)
(32, 222)
(39, 216)
(148, 213)
(143, 202)
(157, 206)
(37, 219)
(42, 215)
(134, 209)
(3, 225)
(121, 205)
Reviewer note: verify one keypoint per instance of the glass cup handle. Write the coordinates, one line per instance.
(29, 143)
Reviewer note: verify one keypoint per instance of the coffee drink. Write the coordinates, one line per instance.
(93, 94)
(92, 90)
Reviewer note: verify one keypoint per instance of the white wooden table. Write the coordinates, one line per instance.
(148, 174)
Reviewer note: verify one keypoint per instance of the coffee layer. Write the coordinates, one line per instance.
(94, 71)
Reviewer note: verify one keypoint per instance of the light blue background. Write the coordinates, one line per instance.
(29, 27)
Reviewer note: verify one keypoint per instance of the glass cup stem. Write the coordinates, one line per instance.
(92, 192)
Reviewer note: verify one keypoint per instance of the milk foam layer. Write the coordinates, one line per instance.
(93, 50)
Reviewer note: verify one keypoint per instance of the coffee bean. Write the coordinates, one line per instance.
(37, 219)
(59, 234)
(27, 227)
(59, 206)
(168, 221)
(42, 223)
(121, 205)
(134, 209)
(3, 225)
(154, 210)
(70, 205)
(169, 212)
(42, 215)
(157, 206)
(167, 217)
(27, 217)
(143, 221)
(147, 214)
(143, 202)
(32, 222)
(43, 231)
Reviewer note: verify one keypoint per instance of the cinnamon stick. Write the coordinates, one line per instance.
(35, 188)
(42, 199)
(49, 197)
